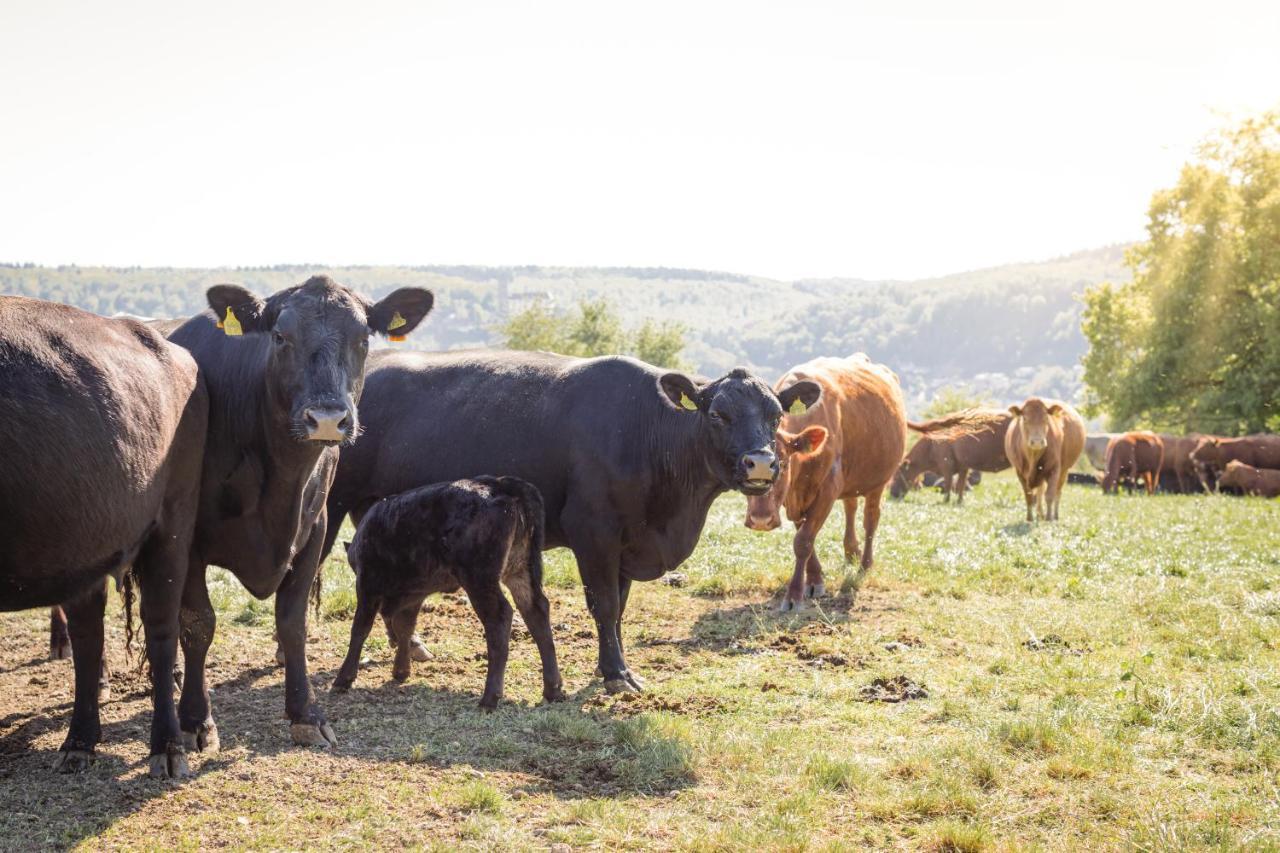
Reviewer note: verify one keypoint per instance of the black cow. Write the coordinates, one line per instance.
(628, 458)
(102, 434)
(284, 377)
(478, 534)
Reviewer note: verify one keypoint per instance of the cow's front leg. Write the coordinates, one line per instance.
(197, 622)
(308, 726)
(803, 546)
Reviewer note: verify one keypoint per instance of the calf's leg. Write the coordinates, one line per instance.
(495, 614)
(367, 607)
(536, 612)
(401, 618)
(85, 631)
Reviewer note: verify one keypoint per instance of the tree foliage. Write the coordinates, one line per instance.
(953, 398)
(1191, 341)
(595, 329)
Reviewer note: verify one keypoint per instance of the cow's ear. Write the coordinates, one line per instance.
(682, 392)
(1055, 409)
(1016, 411)
(238, 311)
(806, 442)
(801, 397)
(400, 312)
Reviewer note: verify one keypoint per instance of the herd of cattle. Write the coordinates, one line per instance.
(234, 439)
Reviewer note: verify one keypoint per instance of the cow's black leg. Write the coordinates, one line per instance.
(534, 608)
(367, 607)
(600, 583)
(495, 614)
(156, 567)
(59, 639)
(198, 622)
(308, 726)
(624, 593)
(84, 628)
(401, 618)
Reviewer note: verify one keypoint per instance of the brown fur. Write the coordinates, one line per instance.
(1044, 440)
(1177, 460)
(854, 455)
(1212, 454)
(1135, 456)
(954, 445)
(1264, 482)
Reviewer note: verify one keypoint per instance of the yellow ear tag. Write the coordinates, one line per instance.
(797, 407)
(395, 338)
(396, 322)
(230, 324)
(687, 403)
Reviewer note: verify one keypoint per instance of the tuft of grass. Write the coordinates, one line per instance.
(954, 837)
(829, 774)
(659, 751)
(477, 795)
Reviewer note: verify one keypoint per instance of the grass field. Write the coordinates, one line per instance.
(1112, 680)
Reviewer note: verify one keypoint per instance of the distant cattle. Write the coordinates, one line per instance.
(476, 534)
(628, 458)
(953, 446)
(847, 447)
(1263, 482)
(101, 442)
(1177, 471)
(1211, 454)
(1136, 457)
(1044, 440)
(284, 377)
(1095, 448)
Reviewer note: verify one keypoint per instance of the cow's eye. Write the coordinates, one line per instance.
(719, 418)
(279, 338)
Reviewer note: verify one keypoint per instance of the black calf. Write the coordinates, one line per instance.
(469, 533)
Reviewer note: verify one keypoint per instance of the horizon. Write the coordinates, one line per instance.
(791, 142)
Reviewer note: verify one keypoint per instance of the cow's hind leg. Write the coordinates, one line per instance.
(481, 584)
(870, 522)
(852, 551)
(536, 612)
(962, 482)
(59, 639)
(163, 559)
(401, 618)
(84, 628)
(198, 622)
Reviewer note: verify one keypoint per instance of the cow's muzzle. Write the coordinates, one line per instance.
(757, 471)
(328, 423)
(763, 522)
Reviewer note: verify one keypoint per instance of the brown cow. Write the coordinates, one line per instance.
(1250, 480)
(1044, 440)
(954, 445)
(1134, 456)
(845, 447)
(1211, 454)
(1177, 464)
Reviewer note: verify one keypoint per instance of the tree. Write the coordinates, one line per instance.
(1190, 342)
(950, 399)
(596, 329)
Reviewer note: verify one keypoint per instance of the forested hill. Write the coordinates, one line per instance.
(1005, 332)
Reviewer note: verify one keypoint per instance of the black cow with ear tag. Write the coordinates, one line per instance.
(628, 458)
(284, 377)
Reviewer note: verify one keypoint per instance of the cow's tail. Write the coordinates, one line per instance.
(129, 594)
(532, 521)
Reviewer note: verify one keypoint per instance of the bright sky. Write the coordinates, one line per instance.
(785, 139)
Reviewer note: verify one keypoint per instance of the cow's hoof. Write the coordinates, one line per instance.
(62, 651)
(340, 686)
(73, 761)
(169, 765)
(489, 703)
(815, 590)
(555, 694)
(625, 683)
(417, 651)
(203, 739)
(104, 693)
(788, 604)
(279, 656)
(310, 734)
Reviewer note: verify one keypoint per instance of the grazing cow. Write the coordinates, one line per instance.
(101, 443)
(1177, 471)
(845, 448)
(628, 458)
(1095, 449)
(477, 534)
(1044, 440)
(284, 377)
(1264, 482)
(1133, 456)
(1212, 453)
(954, 445)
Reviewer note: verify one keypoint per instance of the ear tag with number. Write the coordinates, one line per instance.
(797, 407)
(397, 320)
(231, 324)
(395, 339)
(687, 403)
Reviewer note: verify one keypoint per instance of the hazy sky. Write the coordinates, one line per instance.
(785, 139)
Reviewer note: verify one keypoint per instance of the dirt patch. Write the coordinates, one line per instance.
(899, 688)
(632, 704)
(1054, 643)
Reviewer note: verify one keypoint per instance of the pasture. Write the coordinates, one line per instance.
(1112, 679)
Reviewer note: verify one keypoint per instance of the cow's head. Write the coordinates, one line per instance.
(319, 337)
(1206, 457)
(1235, 476)
(914, 465)
(738, 416)
(1036, 416)
(764, 512)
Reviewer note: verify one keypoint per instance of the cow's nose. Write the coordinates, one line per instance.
(325, 423)
(762, 522)
(759, 465)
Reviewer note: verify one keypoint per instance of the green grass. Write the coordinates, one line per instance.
(1112, 680)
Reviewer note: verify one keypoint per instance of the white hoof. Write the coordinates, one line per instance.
(815, 590)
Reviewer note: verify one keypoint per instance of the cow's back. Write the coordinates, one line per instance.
(862, 406)
(91, 410)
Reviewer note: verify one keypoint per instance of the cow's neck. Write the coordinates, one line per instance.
(807, 481)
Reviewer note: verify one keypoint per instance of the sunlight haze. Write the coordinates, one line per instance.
(776, 139)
